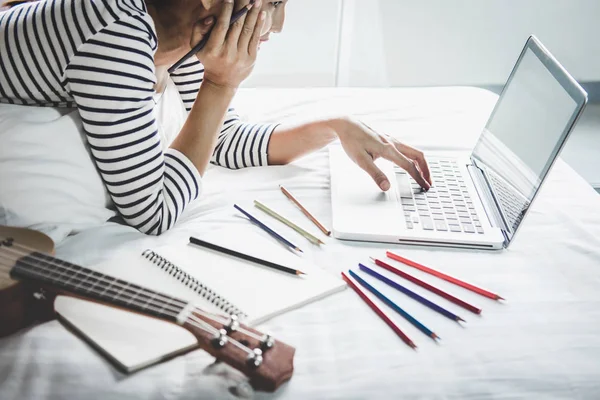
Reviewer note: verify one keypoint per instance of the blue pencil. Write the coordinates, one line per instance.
(268, 230)
(394, 306)
(411, 294)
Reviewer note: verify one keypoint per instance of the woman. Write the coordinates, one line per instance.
(108, 57)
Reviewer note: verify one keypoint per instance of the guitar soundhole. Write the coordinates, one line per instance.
(245, 342)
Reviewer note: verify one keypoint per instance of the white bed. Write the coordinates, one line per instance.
(543, 343)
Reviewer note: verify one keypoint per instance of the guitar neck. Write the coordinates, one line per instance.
(268, 363)
(90, 284)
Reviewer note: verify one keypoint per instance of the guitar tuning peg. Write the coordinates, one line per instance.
(220, 339)
(267, 342)
(255, 359)
(234, 323)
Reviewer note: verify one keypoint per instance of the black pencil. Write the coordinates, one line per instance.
(236, 16)
(246, 257)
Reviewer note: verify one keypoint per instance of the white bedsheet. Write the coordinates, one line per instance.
(543, 343)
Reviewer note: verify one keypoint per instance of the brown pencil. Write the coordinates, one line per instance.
(305, 211)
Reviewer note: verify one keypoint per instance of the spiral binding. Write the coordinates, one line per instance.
(195, 285)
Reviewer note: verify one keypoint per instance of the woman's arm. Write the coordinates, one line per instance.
(112, 78)
(362, 144)
(238, 144)
(288, 143)
(198, 136)
(229, 57)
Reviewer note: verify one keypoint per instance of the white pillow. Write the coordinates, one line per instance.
(170, 114)
(48, 180)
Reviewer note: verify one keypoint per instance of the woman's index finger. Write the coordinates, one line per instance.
(222, 26)
(237, 23)
(419, 158)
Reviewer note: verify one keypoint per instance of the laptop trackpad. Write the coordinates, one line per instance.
(364, 208)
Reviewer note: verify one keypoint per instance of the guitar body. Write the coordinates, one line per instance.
(27, 256)
(19, 306)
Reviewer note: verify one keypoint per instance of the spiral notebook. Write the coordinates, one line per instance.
(213, 281)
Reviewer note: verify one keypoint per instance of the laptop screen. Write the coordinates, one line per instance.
(527, 130)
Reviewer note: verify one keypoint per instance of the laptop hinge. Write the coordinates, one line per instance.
(488, 200)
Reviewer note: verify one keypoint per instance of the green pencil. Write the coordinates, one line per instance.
(313, 239)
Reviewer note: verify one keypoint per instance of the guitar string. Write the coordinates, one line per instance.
(195, 321)
(164, 309)
(101, 279)
(58, 263)
(172, 300)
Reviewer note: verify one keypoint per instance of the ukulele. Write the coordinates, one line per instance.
(30, 279)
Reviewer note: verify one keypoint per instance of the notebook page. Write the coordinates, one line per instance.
(130, 340)
(259, 291)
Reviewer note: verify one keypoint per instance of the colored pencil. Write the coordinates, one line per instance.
(246, 257)
(268, 230)
(429, 287)
(305, 211)
(313, 239)
(202, 43)
(379, 312)
(411, 294)
(445, 277)
(395, 307)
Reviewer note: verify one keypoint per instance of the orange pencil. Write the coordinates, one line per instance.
(443, 276)
(379, 312)
(305, 211)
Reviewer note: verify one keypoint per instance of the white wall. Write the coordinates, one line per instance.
(306, 53)
(470, 42)
(424, 42)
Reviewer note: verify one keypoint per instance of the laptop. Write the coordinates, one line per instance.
(478, 200)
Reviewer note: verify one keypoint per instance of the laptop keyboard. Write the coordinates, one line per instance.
(513, 205)
(446, 207)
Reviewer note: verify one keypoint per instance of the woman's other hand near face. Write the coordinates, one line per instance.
(230, 54)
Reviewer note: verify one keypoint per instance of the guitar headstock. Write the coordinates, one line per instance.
(267, 362)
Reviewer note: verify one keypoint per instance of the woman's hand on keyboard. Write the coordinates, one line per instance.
(363, 145)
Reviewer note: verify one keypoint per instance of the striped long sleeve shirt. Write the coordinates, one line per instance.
(98, 56)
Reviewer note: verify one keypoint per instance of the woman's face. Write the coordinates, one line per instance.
(275, 18)
(274, 21)
(177, 20)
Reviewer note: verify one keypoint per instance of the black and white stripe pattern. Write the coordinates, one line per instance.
(98, 56)
(239, 145)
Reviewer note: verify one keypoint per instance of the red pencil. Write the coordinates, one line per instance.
(429, 287)
(379, 312)
(443, 276)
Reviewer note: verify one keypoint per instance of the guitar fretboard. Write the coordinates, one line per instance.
(91, 284)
